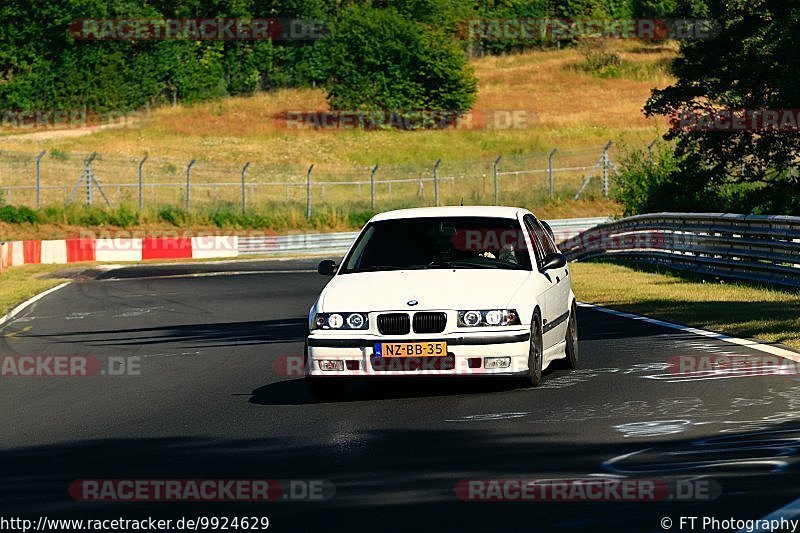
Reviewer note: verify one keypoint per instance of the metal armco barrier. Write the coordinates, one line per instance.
(747, 247)
(322, 243)
(338, 243)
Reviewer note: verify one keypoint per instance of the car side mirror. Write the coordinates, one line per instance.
(327, 268)
(553, 261)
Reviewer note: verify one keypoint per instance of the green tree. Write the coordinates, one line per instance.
(750, 64)
(379, 60)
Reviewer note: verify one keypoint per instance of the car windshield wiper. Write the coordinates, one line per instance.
(439, 264)
(378, 268)
(455, 264)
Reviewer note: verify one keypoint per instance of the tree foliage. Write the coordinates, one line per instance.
(380, 60)
(750, 65)
(402, 54)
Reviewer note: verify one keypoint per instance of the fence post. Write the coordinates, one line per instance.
(88, 172)
(605, 168)
(188, 185)
(496, 180)
(141, 182)
(436, 182)
(308, 192)
(38, 178)
(550, 169)
(372, 187)
(244, 188)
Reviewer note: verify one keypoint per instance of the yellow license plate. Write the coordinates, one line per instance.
(411, 349)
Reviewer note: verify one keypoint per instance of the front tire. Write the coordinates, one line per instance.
(572, 339)
(535, 353)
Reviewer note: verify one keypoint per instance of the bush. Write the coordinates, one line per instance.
(18, 215)
(380, 61)
(172, 215)
(641, 183)
(598, 58)
(225, 218)
(124, 217)
(88, 216)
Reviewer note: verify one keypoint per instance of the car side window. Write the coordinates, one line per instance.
(549, 246)
(536, 238)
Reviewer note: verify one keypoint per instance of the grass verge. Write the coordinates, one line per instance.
(19, 284)
(748, 311)
(78, 221)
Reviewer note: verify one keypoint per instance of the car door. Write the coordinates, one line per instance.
(548, 298)
(563, 284)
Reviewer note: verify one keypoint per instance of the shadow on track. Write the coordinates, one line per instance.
(197, 335)
(390, 480)
(294, 392)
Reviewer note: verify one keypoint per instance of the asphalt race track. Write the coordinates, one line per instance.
(210, 399)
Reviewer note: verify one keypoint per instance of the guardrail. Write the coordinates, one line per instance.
(756, 248)
(338, 243)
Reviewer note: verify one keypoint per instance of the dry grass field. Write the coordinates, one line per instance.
(572, 109)
(565, 104)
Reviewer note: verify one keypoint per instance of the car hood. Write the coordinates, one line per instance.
(433, 289)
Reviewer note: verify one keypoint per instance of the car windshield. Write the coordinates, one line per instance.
(442, 242)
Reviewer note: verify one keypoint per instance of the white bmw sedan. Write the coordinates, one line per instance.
(446, 291)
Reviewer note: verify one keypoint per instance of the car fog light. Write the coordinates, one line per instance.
(332, 366)
(497, 362)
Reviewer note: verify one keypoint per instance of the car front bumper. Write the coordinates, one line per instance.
(466, 355)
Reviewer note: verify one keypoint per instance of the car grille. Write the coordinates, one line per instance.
(429, 322)
(412, 364)
(394, 324)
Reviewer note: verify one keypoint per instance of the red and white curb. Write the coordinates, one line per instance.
(65, 251)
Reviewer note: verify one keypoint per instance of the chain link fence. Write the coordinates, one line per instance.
(55, 178)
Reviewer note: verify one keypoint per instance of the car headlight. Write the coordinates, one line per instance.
(492, 317)
(341, 321)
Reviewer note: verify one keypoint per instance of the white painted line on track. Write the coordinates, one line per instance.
(21, 307)
(754, 345)
(211, 274)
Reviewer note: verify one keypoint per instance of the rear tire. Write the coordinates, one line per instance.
(326, 389)
(572, 339)
(535, 353)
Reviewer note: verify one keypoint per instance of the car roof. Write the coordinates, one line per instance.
(452, 211)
